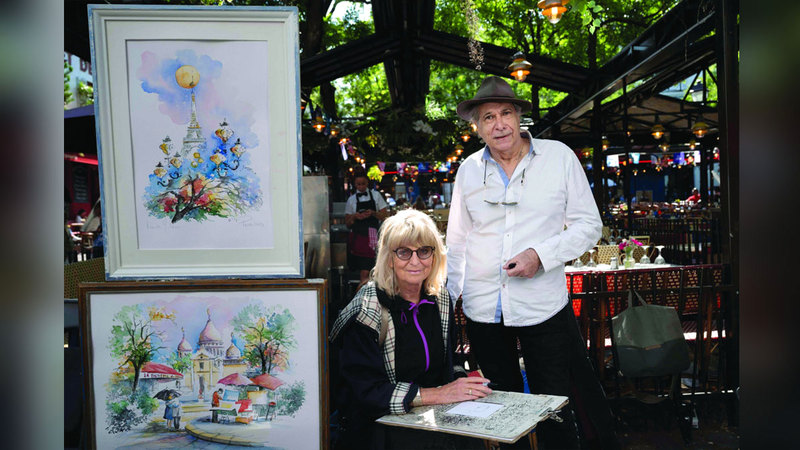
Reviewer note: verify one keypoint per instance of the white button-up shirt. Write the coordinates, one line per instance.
(555, 215)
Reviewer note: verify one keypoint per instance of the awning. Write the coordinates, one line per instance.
(156, 370)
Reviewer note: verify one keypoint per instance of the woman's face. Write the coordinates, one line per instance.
(411, 272)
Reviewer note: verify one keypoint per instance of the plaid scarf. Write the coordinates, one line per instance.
(366, 308)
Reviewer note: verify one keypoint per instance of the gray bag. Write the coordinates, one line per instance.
(649, 340)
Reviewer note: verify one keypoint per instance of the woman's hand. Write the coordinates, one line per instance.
(459, 390)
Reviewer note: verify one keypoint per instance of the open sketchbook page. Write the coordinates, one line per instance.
(505, 417)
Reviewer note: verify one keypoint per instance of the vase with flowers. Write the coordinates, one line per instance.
(628, 246)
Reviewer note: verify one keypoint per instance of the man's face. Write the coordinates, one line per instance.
(498, 126)
(361, 184)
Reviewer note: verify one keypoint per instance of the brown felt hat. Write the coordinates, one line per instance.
(493, 89)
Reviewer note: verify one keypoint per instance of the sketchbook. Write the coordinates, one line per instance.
(501, 416)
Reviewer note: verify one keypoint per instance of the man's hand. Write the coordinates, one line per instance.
(525, 264)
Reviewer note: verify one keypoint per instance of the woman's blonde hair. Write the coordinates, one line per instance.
(410, 228)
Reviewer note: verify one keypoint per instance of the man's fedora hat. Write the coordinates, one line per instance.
(493, 89)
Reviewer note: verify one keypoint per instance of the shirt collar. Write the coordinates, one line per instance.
(531, 148)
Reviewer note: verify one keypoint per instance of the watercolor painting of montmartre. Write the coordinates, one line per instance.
(200, 137)
(237, 366)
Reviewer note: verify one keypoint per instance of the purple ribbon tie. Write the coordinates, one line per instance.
(414, 308)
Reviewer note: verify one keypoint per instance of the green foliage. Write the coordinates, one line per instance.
(291, 398)
(133, 340)
(362, 93)
(268, 334)
(126, 409)
(86, 93)
(68, 97)
(181, 364)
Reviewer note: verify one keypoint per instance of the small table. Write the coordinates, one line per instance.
(517, 416)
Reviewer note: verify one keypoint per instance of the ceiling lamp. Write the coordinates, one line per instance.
(606, 143)
(319, 123)
(658, 130)
(700, 128)
(459, 149)
(520, 68)
(553, 9)
(664, 146)
(692, 144)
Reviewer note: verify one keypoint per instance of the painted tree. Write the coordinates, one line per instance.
(133, 339)
(180, 363)
(268, 334)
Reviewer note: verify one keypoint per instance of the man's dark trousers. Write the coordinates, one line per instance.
(555, 360)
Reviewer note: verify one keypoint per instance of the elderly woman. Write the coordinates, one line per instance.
(395, 341)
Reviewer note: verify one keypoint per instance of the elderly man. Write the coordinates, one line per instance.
(521, 208)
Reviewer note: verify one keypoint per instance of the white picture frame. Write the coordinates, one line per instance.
(243, 65)
(183, 328)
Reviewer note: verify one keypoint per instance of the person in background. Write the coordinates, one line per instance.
(395, 342)
(80, 216)
(215, 404)
(176, 411)
(694, 198)
(363, 212)
(521, 208)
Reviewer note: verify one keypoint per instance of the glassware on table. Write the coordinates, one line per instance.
(591, 262)
(644, 259)
(660, 258)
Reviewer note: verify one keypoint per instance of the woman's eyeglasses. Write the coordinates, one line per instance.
(504, 203)
(405, 253)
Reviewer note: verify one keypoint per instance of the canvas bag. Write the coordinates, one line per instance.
(649, 340)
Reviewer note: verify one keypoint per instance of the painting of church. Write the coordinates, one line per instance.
(211, 360)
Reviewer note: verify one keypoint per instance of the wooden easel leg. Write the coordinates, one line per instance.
(491, 445)
(533, 441)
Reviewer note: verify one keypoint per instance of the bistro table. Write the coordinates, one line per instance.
(599, 293)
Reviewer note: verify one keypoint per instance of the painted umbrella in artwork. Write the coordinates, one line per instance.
(236, 379)
(268, 381)
(166, 394)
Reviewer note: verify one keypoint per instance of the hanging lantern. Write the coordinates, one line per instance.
(334, 130)
(319, 122)
(160, 171)
(664, 146)
(465, 135)
(176, 160)
(553, 9)
(692, 144)
(657, 131)
(237, 148)
(474, 127)
(520, 67)
(217, 158)
(606, 143)
(459, 149)
(223, 132)
(700, 129)
(166, 145)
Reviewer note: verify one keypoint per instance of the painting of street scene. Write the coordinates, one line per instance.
(227, 367)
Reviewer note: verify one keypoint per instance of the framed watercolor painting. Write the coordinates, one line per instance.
(179, 363)
(198, 129)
